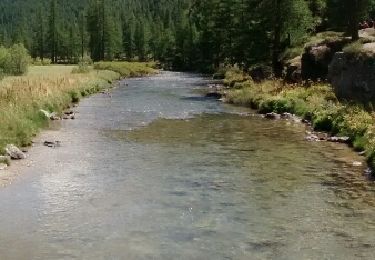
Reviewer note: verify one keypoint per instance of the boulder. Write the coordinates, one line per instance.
(353, 76)
(294, 70)
(260, 73)
(14, 152)
(317, 58)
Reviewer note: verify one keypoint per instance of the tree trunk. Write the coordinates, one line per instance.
(353, 20)
(276, 46)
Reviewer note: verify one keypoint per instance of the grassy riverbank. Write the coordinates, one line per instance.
(127, 69)
(316, 103)
(51, 88)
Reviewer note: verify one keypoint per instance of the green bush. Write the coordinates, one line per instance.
(84, 65)
(15, 60)
(19, 60)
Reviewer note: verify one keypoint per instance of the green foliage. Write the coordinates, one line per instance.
(15, 60)
(354, 48)
(84, 65)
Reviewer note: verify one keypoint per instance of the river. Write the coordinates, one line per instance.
(157, 171)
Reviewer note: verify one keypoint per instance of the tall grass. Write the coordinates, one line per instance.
(50, 88)
(316, 103)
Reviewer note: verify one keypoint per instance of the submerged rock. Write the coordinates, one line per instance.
(272, 115)
(52, 144)
(215, 94)
(287, 116)
(14, 152)
(69, 116)
(312, 138)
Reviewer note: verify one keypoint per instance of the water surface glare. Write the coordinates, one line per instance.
(158, 172)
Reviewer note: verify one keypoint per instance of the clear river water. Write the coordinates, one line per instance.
(157, 171)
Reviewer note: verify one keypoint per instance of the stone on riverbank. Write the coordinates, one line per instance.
(14, 152)
(335, 139)
(272, 116)
(52, 116)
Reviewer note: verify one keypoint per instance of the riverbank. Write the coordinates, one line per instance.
(316, 104)
(52, 89)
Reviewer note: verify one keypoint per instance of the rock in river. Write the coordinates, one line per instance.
(272, 116)
(335, 139)
(14, 152)
(52, 144)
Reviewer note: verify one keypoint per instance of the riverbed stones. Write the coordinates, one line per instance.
(335, 139)
(14, 152)
(272, 116)
(312, 138)
(52, 144)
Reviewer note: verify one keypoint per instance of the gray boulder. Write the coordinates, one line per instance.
(317, 58)
(14, 152)
(353, 76)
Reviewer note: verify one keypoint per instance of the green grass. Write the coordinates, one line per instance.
(51, 88)
(317, 103)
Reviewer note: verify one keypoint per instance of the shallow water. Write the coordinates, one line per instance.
(158, 172)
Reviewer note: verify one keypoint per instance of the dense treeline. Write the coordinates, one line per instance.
(183, 34)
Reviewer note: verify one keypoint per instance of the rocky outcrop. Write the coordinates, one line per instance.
(293, 72)
(353, 76)
(14, 152)
(317, 58)
(261, 73)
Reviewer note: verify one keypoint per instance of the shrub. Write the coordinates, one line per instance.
(15, 60)
(84, 65)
